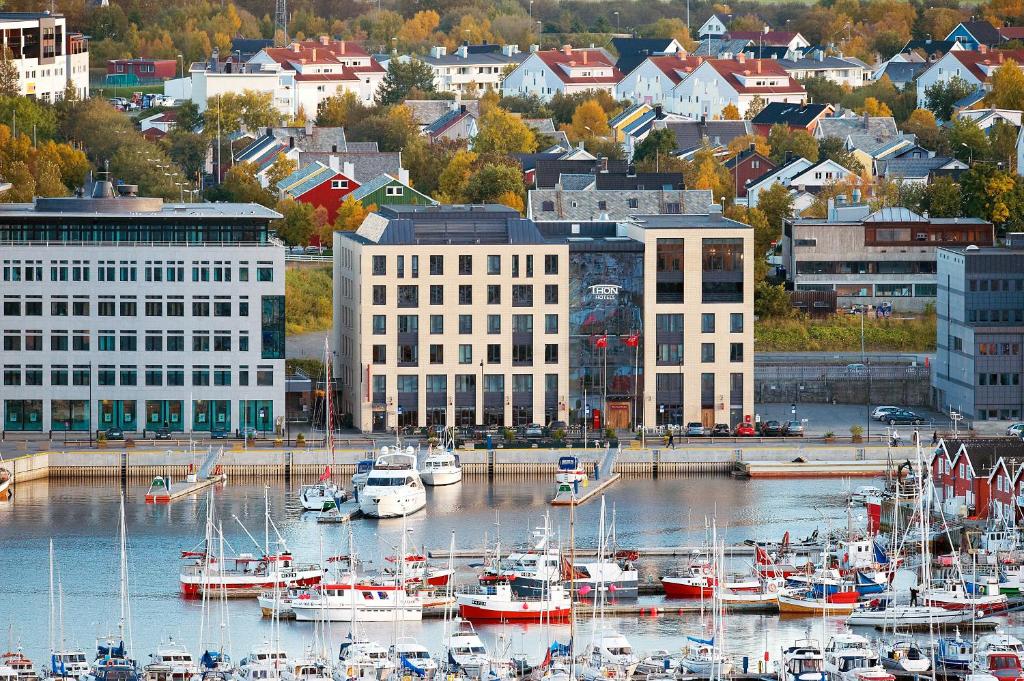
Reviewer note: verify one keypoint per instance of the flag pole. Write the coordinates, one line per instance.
(604, 385)
(636, 379)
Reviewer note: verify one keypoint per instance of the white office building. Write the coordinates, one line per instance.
(45, 54)
(126, 312)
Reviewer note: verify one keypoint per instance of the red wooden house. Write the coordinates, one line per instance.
(320, 185)
(978, 477)
(747, 165)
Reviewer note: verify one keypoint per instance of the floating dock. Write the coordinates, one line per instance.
(739, 551)
(812, 469)
(169, 492)
(567, 494)
(340, 514)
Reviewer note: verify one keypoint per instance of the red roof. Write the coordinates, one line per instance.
(975, 61)
(317, 52)
(770, 38)
(1012, 32)
(730, 69)
(674, 66)
(346, 74)
(153, 134)
(589, 56)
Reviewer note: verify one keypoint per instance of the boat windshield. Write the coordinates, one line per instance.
(804, 666)
(849, 663)
(388, 482)
(1003, 662)
(415, 655)
(470, 650)
(620, 650)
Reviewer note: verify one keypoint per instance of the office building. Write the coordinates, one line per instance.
(980, 330)
(125, 312)
(535, 322)
(46, 55)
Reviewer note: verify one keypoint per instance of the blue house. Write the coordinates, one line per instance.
(972, 34)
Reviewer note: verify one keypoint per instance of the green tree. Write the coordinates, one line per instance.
(782, 138)
(402, 78)
(941, 96)
(835, 149)
(1007, 87)
(29, 116)
(563, 106)
(921, 123)
(240, 185)
(296, 227)
(392, 130)
(943, 198)
(966, 140)
(762, 233)
(10, 85)
(772, 302)
(340, 110)
(821, 90)
(188, 150)
(188, 118)
(228, 112)
(529, 106)
(659, 144)
(453, 183)
(494, 181)
(777, 204)
(500, 132)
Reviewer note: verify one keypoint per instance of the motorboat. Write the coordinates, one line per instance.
(802, 661)
(364, 660)
(214, 663)
(849, 657)
(363, 468)
(534, 573)
(766, 594)
(112, 662)
(68, 664)
(697, 580)
(171, 662)
(658, 664)
(610, 656)
(904, 655)
(570, 472)
(954, 653)
(417, 570)
(498, 603)
(263, 663)
(8, 674)
(999, 655)
(841, 603)
(864, 493)
(441, 467)
(308, 669)
(393, 488)
(243, 575)
(23, 667)
(412, 657)
(6, 482)
(701, 657)
(276, 602)
(363, 601)
(466, 653)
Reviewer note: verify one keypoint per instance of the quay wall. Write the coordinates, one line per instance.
(255, 464)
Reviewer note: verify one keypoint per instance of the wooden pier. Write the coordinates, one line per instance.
(172, 492)
(604, 477)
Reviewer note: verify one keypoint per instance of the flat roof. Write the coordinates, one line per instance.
(686, 221)
(121, 208)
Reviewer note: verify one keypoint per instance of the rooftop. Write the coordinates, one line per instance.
(447, 224)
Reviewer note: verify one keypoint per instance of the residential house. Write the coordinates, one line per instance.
(568, 70)
(163, 122)
(637, 130)
(1008, 33)
(714, 27)
(654, 80)
(457, 124)
(632, 51)
(973, 66)
(548, 172)
(716, 83)
(916, 165)
(867, 137)
(612, 205)
(869, 257)
(768, 37)
(130, 71)
(927, 49)
(627, 118)
(746, 166)
(290, 142)
(793, 116)
(387, 190)
(987, 118)
(298, 76)
(901, 73)
(319, 185)
(974, 34)
(359, 164)
(846, 71)
(46, 56)
(691, 135)
(723, 48)
(802, 177)
(978, 477)
(472, 68)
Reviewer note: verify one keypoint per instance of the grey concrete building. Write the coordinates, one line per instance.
(980, 331)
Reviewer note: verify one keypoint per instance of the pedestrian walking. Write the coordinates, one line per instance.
(935, 438)
(913, 597)
(671, 440)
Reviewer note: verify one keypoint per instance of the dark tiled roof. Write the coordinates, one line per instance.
(549, 170)
(904, 71)
(984, 32)
(985, 452)
(691, 134)
(624, 181)
(793, 115)
(928, 46)
(632, 51)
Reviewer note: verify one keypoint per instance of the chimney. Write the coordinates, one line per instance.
(309, 128)
(657, 112)
(325, 41)
(584, 56)
(437, 52)
(703, 120)
(867, 120)
(294, 47)
(567, 50)
(348, 169)
(214, 59)
(314, 56)
(1000, 53)
(983, 49)
(403, 176)
(604, 164)
(462, 51)
(753, 147)
(681, 54)
(462, 108)
(741, 58)
(334, 163)
(789, 156)
(758, 62)
(291, 142)
(341, 47)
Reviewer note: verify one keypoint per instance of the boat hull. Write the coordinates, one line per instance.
(439, 478)
(391, 506)
(242, 586)
(346, 613)
(794, 605)
(986, 604)
(526, 611)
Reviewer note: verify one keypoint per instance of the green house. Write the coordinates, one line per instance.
(386, 190)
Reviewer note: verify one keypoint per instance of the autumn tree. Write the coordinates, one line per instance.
(230, 111)
(943, 198)
(1007, 87)
(705, 171)
(402, 78)
(296, 227)
(588, 121)
(188, 150)
(756, 106)
(743, 142)
(922, 124)
(731, 112)
(340, 110)
(241, 185)
(497, 183)
(500, 132)
(393, 130)
(799, 143)
(834, 148)
(763, 234)
(10, 85)
(281, 168)
(873, 107)
(454, 179)
(941, 96)
(776, 203)
(350, 215)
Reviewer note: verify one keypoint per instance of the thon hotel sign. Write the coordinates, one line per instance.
(608, 292)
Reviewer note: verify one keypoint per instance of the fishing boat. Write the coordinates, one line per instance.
(24, 669)
(849, 657)
(697, 580)
(360, 658)
(348, 600)
(999, 655)
(954, 653)
(416, 570)
(904, 655)
(881, 614)
(701, 657)
(6, 482)
(265, 661)
(766, 565)
(864, 493)
(802, 661)
(393, 488)
(840, 603)
(765, 595)
(412, 657)
(8, 674)
(953, 596)
(570, 471)
(498, 603)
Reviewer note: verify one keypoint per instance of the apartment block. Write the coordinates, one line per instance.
(125, 312)
(46, 55)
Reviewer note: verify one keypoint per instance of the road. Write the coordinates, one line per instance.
(823, 358)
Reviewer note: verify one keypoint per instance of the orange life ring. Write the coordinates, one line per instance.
(772, 587)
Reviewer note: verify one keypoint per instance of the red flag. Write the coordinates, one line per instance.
(632, 340)
(326, 474)
(601, 342)
(762, 557)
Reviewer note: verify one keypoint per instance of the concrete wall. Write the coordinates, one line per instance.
(843, 391)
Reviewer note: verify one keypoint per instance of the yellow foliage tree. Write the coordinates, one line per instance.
(419, 27)
(588, 120)
(873, 107)
(350, 215)
(704, 171)
(453, 180)
(511, 199)
(743, 142)
(504, 133)
(1007, 87)
(731, 112)
(281, 168)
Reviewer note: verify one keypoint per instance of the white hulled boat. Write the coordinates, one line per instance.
(702, 658)
(171, 662)
(802, 661)
(363, 659)
(393, 488)
(411, 656)
(849, 657)
(441, 467)
(610, 656)
(905, 655)
(466, 653)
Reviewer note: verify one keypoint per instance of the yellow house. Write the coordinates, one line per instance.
(620, 123)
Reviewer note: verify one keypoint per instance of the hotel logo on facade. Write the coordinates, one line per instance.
(605, 291)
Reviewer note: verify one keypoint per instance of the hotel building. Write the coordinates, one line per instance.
(126, 312)
(470, 315)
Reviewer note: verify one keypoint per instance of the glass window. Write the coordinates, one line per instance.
(707, 322)
(494, 353)
(736, 352)
(669, 323)
(494, 264)
(465, 264)
(380, 324)
(550, 264)
(707, 352)
(436, 294)
(465, 323)
(436, 354)
(272, 327)
(465, 354)
(736, 322)
(551, 294)
(551, 323)
(494, 294)
(551, 353)
(436, 265)
(465, 294)
(379, 265)
(408, 296)
(436, 323)
(264, 274)
(380, 296)
(494, 323)
(522, 295)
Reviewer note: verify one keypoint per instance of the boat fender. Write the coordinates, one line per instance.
(351, 672)
(526, 606)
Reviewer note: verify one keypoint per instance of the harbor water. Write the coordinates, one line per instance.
(82, 521)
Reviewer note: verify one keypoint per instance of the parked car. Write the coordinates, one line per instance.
(721, 430)
(902, 416)
(793, 429)
(879, 413)
(296, 250)
(771, 429)
(248, 432)
(534, 430)
(556, 426)
(856, 368)
(745, 429)
(694, 429)
(218, 434)
(115, 434)
(1015, 430)
(314, 250)
(162, 434)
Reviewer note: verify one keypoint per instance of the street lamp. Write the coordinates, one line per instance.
(616, 21)
(480, 414)
(181, 66)
(531, 9)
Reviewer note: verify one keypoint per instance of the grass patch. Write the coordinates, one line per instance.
(841, 333)
(308, 304)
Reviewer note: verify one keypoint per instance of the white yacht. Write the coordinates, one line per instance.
(393, 488)
(802, 661)
(466, 653)
(702, 658)
(850, 657)
(411, 656)
(610, 656)
(68, 664)
(362, 601)
(264, 662)
(363, 660)
(321, 496)
(441, 467)
(171, 662)
(308, 669)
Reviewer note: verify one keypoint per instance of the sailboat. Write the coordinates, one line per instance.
(65, 663)
(215, 661)
(113, 656)
(324, 495)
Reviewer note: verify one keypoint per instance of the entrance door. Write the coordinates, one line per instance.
(618, 415)
(707, 417)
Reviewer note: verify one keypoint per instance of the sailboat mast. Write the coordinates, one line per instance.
(266, 520)
(125, 607)
(52, 623)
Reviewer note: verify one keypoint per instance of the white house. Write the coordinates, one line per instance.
(802, 177)
(655, 79)
(472, 68)
(717, 83)
(974, 66)
(299, 76)
(714, 27)
(835, 68)
(769, 38)
(45, 54)
(566, 70)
